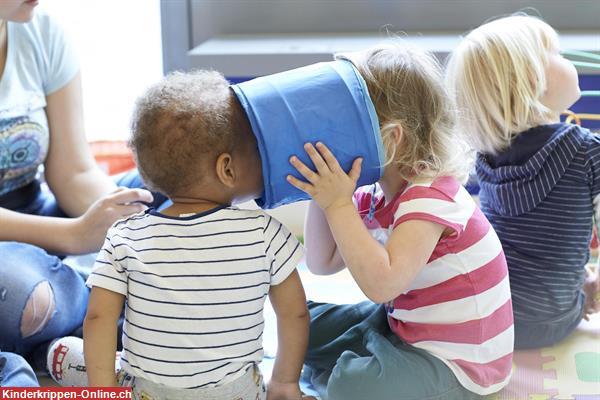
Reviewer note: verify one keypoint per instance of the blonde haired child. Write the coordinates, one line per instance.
(440, 321)
(511, 84)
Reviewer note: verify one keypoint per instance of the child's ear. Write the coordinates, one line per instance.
(397, 133)
(225, 170)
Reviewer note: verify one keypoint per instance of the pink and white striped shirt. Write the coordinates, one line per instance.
(459, 307)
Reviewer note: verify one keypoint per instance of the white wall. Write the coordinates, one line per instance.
(119, 47)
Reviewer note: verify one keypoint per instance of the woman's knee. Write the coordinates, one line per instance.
(39, 309)
(25, 292)
(34, 289)
(14, 371)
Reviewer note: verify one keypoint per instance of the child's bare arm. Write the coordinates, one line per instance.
(381, 272)
(100, 336)
(289, 303)
(322, 256)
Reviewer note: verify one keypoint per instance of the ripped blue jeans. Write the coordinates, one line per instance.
(22, 268)
(14, 371)
(25, 269)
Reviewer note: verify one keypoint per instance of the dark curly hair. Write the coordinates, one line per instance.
(180, 126)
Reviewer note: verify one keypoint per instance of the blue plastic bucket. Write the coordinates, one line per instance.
(326, 102)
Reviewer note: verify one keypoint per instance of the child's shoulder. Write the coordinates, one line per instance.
(246, 212)
(443, 188)
(580, 138)
(442, 200)
(590, 137)
(566, 132)
(130, 221)
(440, 188)
(258, 215)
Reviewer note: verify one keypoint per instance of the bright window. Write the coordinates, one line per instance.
(119, 48)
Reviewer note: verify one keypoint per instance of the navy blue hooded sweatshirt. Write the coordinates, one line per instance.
(538, 195)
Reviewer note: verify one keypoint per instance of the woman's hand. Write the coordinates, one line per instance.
(87, 232)
(329, 186)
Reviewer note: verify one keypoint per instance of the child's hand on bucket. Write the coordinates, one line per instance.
(329, 185)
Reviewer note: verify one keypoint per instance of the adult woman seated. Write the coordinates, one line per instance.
(41, 133)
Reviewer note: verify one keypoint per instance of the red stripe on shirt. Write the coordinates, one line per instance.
(459, 287)
(447, 184)
(474, 332)
(475, 229)
(441, 189)
(429, 217)
(423, 192)
(487, 374)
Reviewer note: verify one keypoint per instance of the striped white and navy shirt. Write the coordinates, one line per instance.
(195, 288)
(538, 196)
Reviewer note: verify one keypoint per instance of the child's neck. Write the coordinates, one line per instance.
(391, 183)
(551, 119)
(183, 206)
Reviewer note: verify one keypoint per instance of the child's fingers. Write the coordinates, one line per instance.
(305, 187)
(332, 162)
(586, 317)
(316, 158)
(354, 173)
(306, 172)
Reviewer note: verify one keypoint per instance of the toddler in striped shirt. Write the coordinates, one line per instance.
(194, 277)
(538, 176)
(439, 322)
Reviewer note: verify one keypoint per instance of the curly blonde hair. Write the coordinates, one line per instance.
(497, 77)
(407, 89)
